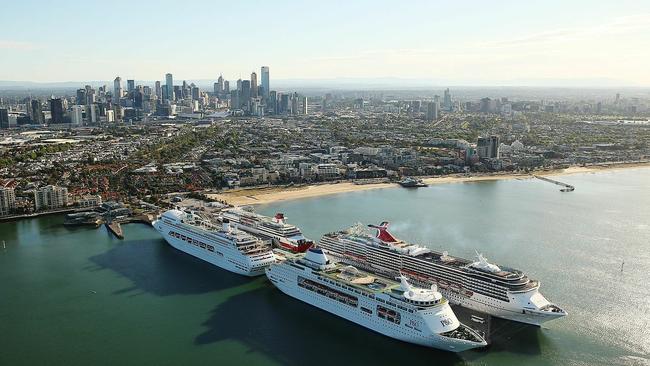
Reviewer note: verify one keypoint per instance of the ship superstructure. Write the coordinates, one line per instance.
(224, 246)
(398, 310)
(276, 228)
(479, 285)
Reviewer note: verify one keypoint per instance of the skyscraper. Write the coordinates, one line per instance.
(117, 90)
(254, 92)
(219, 88)
(294, 103)
(4, 118)
(56, 109)
(158, 90)
(169, 85)
(226, 87)
(245, 93)
(82, 97)
(265, 81)
(488, 147)
(130, 85)
(37, 112)
(7, 201)
(305, 106)
(446, 102)
(432, 111)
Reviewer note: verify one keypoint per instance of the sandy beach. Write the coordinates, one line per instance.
(257, 196)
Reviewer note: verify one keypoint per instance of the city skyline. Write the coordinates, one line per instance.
(508, 44)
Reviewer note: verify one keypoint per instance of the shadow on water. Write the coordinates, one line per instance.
(155, 267)
(295, 333)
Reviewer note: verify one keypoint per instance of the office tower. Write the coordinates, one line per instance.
(447, 100)
(4, 118)
(7, 201)
(265, 81)
(245, 94)
(117, 90)
(37, 112)
(305, 106)
(138, 98)
(488, 147)
(294, 103)
(226, 87)
(56, 109)
(76, 115)
(432, 111)
(239, 84)
(215, 89)
(284, 103)
(130, 86)
(169, 86)
(81, 97)
(178, 92)
(272, 101)
(50, 197)
(195, 93)
(91, 114)
(254, 91)
(220, 86)
(234, 99)
(158, 90)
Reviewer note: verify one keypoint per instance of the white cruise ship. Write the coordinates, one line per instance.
(479, 285)
(276, 228)
(223, 246)
(400, 311)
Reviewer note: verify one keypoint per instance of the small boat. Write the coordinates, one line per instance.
(409, 182)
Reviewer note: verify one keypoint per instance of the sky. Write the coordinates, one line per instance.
(468, 42)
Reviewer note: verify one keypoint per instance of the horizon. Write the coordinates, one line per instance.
(511, 44)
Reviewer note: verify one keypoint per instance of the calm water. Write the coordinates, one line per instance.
(79, 296)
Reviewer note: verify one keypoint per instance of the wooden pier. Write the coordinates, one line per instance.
(567, 187)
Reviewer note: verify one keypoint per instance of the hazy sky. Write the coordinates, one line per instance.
(465, 41)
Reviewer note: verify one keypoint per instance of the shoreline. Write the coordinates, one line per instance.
(266, 195)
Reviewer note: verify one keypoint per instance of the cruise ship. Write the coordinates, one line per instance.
(478, 285)
(276, 228)
(223, 246)
(398, 310)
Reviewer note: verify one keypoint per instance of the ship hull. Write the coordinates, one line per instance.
(287, 282)
(475, 301)
(223, 257)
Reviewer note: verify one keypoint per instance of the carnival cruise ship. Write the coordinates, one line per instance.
(276, 228)
(223, 246)
(479, 285)
(400, 311)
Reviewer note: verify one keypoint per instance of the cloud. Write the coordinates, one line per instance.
(15, 45)
(616, 27)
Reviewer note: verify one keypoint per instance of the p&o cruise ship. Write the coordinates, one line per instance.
(282, 234)
(223, 246)
(400, 311)
(479, 285)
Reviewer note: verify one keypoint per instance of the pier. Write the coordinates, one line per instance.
(116, 229)
(567, 187)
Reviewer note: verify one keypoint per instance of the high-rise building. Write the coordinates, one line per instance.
(245, 94)
(130, 86)
(117, 90)
(7, 201)
(446, 103)
(220, 86)
(56, 109)
(432, 111)
(254, 91)
(50, 197)
(488, 147)
(294, 103)
(226, 87)
(169, 85)
(82, 97)
(195, 92)
(272, 102)
(265, 81)
(234, 100)
(76, 115)
(305, 106)
(158, 90)
(4, 118)
(37, 112)
(284, 103)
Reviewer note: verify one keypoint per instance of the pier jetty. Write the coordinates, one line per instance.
(566, 187)
(116, 229)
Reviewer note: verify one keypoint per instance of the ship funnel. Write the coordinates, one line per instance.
(226, 225)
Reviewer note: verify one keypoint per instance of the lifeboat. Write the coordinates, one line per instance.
(443, 284)
(454, 287)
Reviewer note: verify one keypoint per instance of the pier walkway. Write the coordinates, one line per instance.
(567, 187)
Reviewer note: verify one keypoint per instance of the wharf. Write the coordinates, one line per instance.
(116, 229)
